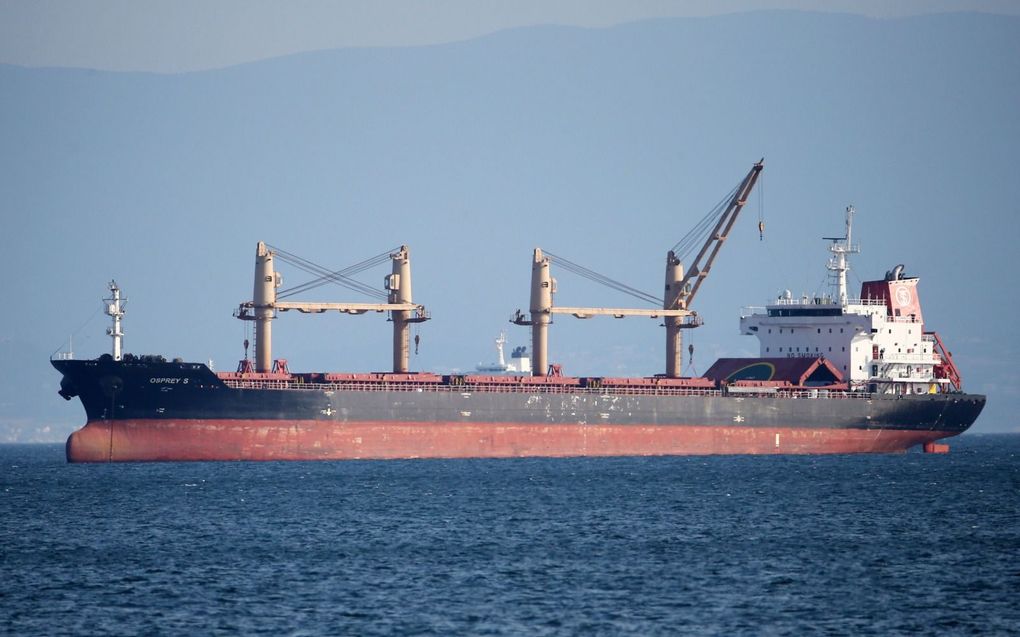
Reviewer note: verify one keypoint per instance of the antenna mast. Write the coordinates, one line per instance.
(840, 248)
(115, 311)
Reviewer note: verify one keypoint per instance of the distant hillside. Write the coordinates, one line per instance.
(604, 146)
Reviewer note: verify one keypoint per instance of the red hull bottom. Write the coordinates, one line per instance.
(162, 440)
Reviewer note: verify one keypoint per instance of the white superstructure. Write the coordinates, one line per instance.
(876, 341)
(520, 361)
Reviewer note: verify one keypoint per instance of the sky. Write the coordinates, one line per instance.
(170, 36)
(602, 140)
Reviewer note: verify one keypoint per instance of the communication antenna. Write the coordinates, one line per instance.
(840, 248)
(115, 310)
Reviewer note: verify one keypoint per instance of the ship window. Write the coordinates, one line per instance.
(830, 330)
(780, 349)
(830, 349)
(816, 349)
(780, 330)
(819, 330)
(766, 349)
(844, 349)
(874, 370)
(770, 330)
(798, 349)
(841, 330)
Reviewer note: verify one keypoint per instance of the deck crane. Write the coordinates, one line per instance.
(396, 300)
(680, 288)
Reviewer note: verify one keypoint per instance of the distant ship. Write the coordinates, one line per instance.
(520, 361)
(836, 374)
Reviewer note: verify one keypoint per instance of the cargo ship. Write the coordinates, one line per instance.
(836, 374)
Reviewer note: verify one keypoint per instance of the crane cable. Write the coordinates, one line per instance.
(324, 275)
(350, 284)
(761, 209)
(696, 237)
(602, 279)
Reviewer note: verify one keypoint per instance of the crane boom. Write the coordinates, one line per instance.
(719, 234)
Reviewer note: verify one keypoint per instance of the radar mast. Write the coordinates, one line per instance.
(838, 265)
(115, 311)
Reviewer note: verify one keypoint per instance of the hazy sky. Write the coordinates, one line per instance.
(187, 35)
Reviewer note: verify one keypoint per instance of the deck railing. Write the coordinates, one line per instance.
(495, 388)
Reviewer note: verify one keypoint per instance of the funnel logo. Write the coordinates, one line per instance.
(902, 296)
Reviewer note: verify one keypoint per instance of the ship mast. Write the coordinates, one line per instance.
(500, 342)
(673, 300)
(264, 298)
(542, 288)
(115, 310)
(838, 265)
(398, 284)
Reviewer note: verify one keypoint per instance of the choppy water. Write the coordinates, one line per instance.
(730, 545)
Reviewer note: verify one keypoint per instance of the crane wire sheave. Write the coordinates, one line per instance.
(325, 275)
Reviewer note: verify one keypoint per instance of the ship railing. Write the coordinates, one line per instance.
(822, 300)
(903, 319)
(495, 388)
(918, 358)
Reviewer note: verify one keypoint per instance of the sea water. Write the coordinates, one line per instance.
(870, 545)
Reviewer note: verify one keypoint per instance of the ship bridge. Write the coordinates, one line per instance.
(877, 341)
